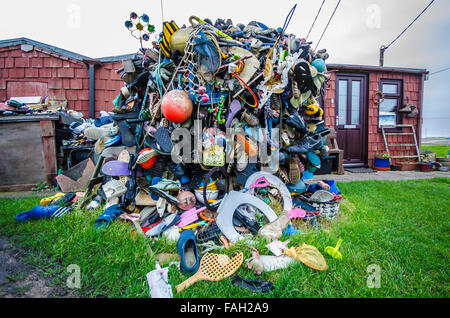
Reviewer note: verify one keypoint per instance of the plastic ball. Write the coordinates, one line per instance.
(186, 200)
(149, 164)
(205, 98)
(177, 106)
(319, 64)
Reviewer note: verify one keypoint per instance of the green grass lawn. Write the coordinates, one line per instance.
(403, 227)
(439, 150)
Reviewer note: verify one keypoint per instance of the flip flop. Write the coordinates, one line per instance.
(161, 193)
(163, 225)
(255, 286)
(108, 216)
(163, 139)
(65, 200)
(151, 142)
(127, 136)
(234, 108)
(116, 168)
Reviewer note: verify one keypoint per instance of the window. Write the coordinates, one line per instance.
(388, 109)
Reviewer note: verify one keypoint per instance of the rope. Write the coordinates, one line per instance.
(331, 18)
(317, 15)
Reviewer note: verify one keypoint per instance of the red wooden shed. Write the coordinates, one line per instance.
(361, 99)
(31, 68)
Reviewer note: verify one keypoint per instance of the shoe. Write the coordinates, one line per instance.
(210, 233)
(47, 201)
(166, 223)
(165, 195)
(37, 213)
(253, 226)
(146, 156)
(296, 121)
(299, 187)
(112, 141)
(188, 251)
(274, 230)
(313, 159)
(254, 286)
(65, 200)
(99, 132)
(108, 216)
(285, 139)
(414, 112)
(284, 176)
(307, 144)
(176, 169)
(250, 119)
(167, 185)
(294, 171)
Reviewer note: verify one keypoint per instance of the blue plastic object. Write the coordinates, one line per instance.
(155, 180)
(108, 216)
(188, 244)
(290, 231)
(300, 187)
(37, 213)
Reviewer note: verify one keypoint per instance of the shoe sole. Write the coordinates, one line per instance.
(146, 156)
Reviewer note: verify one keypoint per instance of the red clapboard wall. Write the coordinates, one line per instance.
(46, 73)
(412, 91)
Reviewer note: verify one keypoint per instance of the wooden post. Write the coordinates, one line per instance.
(49, 145)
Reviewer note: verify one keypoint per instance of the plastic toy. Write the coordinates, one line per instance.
(214, 267)
(334, 251)
(140, 26)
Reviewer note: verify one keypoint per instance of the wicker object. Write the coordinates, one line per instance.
(214, 267)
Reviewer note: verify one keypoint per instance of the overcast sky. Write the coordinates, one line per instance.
(358, 29)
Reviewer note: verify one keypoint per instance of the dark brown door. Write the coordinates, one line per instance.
(351, 123)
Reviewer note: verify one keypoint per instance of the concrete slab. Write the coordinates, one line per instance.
(382, 175)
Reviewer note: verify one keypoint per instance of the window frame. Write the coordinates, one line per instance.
(398, 96)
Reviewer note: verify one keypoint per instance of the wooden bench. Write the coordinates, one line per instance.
(334, 150)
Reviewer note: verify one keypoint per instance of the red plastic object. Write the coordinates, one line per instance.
(177, 106)
(149, 164)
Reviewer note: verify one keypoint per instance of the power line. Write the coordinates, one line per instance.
(317, 15)
(332, 15)
(385, 48)
(445, 69)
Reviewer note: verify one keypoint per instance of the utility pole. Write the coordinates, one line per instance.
(382, 49)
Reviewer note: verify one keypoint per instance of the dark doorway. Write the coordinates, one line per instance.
(351, 114)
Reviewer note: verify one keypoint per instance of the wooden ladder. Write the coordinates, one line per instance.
(413, 133)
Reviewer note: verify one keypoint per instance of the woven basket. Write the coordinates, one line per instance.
(327, 210)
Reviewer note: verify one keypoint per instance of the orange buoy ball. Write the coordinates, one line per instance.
(148, 164)
(177, 106)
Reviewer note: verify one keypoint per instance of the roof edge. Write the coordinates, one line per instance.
(51, 48)
(352, 67)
